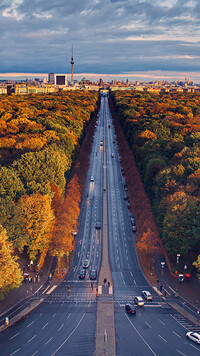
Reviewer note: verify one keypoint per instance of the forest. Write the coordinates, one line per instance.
(40, 137)
(163, 132)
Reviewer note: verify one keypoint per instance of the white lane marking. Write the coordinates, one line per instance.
(68, 315)
(148, 324)
(40, 314)
(48, 340)
(161, 321)
(54, 315)
(180, 352)
(15, 352)
(69, 336)
(195, 347)
(38, 289)
(162, 338)
(140, 336)
(89, 304)
(35, 353)
(45, 289)
(134, 281)
(14, 336)
(60, 327)
(30, 323)
(31, 338)
(45, 325)
(131, 273)
(176, 334)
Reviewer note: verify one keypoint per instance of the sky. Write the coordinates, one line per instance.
(156, 39)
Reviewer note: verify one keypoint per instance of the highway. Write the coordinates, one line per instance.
(65, 323)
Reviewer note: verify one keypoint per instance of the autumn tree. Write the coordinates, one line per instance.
(10, 273)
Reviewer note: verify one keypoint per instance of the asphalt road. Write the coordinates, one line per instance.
(156, 329)
(64, 324)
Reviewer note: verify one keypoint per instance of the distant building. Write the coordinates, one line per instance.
(100, 81)
(51, 78)
(60, 79)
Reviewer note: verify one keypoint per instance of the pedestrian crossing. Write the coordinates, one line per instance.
(188, 325)
(71, 297)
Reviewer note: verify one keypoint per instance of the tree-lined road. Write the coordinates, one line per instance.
(65, 323)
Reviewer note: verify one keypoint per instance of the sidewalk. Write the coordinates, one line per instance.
(187, 290)
(27, 289)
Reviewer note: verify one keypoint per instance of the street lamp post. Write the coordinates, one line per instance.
(177, 260)
(162, 265)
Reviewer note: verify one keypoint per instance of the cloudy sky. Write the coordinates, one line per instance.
(109, 36)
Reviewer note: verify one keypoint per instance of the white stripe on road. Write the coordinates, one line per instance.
(45, 289)
(51, 290)
(45, 325)
(180, 352)
(161, 321)
(162, 338)
(30, 323)
(176, 334)
(14, 336)
(140, 336)
(60, 327)
(69, 336)
(31, 338)
(48, 340)
(15, 352)
(148, 324)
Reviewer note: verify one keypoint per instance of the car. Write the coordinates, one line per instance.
(125, 197)
(130, 309)
(132, 221)
(147, 295)
(75, 232)
(113, 141)
(112, 155)
(134, 229)
(101, 143)
(194, 337)
(129, 205)
(93, 274)
(86, 263)
(98, 225)
(139, 301)
(82, 273)
(92, 179)
(132, 216)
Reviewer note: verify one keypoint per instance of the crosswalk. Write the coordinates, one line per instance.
(188, 325)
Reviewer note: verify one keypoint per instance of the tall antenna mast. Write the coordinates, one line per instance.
(72, 63)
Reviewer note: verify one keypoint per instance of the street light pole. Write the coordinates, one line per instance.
(162, 265)
(177, 260)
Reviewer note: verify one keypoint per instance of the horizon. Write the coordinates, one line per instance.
(168, 76)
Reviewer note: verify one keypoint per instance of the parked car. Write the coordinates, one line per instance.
(194, 337)
(86, 263)
(132, 216)
(147, 295)
(75, 232)
(139, 301)
(82, 273)
(125, 197)
(129, 205)
(112, 155)
(132, 221)
(98, 225)
(134, 228)
(130, 309)
(93, 274)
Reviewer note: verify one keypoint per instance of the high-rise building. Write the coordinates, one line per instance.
(51, 78)
(60, 79)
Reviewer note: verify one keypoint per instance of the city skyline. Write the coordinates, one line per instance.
(125, 37)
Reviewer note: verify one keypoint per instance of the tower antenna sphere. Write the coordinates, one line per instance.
(72, 63)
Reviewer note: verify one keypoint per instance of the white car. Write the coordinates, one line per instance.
(139, 301)
(147, 295)
(92, 179)
(194, 337)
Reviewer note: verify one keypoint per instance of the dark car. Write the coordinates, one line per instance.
(82, 273)
(130, 309)
(98, 225)
(134, 229)
(132, 221)
(93, 274)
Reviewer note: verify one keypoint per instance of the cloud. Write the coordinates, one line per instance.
(106, 34)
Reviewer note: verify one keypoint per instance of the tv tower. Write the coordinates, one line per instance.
(72, 63)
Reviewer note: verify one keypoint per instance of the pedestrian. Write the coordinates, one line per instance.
(105, 280)
(108, 284)
(91, 285)
(38, 278)
(34, 279)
